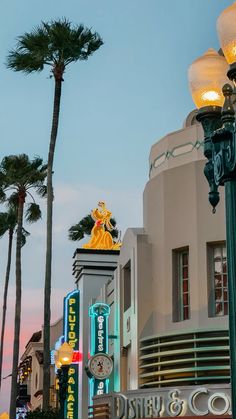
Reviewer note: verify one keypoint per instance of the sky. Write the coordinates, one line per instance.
(127, 96)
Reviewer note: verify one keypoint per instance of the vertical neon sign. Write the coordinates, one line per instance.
(71, 335)
(99, 314)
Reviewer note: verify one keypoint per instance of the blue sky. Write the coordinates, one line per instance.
(132, 92)
(129, 94)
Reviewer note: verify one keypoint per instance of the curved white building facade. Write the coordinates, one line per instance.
(172, 275)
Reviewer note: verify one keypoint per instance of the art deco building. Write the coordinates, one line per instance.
(172, 290)
(172, 273)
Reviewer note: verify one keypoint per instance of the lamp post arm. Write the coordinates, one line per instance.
(213, 194)
(228, 113)
(210, 119)
(224, 140)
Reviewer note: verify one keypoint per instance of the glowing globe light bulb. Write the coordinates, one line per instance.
(207, 75)
(226, 30)
(65, 354)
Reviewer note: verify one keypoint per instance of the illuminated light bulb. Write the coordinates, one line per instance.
(226, 30)
(207, 76)
(211, 96)
(65, 354)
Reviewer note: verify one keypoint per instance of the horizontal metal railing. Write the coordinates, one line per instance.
(181, 358)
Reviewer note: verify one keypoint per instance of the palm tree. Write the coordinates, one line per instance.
(84, 227)
(8, 223)
(56, 44)
(18, 176)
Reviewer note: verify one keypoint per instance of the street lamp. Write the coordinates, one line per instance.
(227, 35)
(63, 358)
(207, 78)
(207, 75)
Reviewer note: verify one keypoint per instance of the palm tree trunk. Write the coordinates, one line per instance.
(4, 309)
(16, 345)
(48, 269)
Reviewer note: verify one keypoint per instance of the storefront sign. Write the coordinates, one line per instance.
(154, 403)
(71, 408)
(71, 335)
(201, 402)
(99, 314)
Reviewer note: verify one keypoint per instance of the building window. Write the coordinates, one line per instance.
(127, 286)
(217, 280)
(181, 296)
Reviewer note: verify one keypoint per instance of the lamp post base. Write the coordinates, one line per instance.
(63, 385)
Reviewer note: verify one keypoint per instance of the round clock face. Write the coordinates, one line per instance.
(100, 366)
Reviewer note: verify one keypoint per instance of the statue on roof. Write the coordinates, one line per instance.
(101, 238)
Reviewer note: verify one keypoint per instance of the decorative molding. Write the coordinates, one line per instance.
(177, 151)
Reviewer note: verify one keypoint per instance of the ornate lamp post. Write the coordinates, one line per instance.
(63, 359)
(207, 76)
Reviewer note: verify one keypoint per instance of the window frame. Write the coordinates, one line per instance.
(181, 280)
(178, 285)
(127, 286)
(212, 312)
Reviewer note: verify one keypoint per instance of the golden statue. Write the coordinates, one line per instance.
(101, 238)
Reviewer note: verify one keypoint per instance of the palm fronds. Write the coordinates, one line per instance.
(54, 43)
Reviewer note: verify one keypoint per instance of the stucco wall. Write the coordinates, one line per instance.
(177, 214)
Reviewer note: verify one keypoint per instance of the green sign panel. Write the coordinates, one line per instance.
(99, 314)
(71, 335)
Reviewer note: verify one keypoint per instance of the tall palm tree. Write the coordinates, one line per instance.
(56, 44)
(8, 224)
(19, 177)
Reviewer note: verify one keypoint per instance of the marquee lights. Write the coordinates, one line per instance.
(71, 335)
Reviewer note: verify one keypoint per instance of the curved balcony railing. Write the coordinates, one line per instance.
(185, 358)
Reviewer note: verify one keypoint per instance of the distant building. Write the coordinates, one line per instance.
(30, 370)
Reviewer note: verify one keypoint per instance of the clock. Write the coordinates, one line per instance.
(100, 366)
